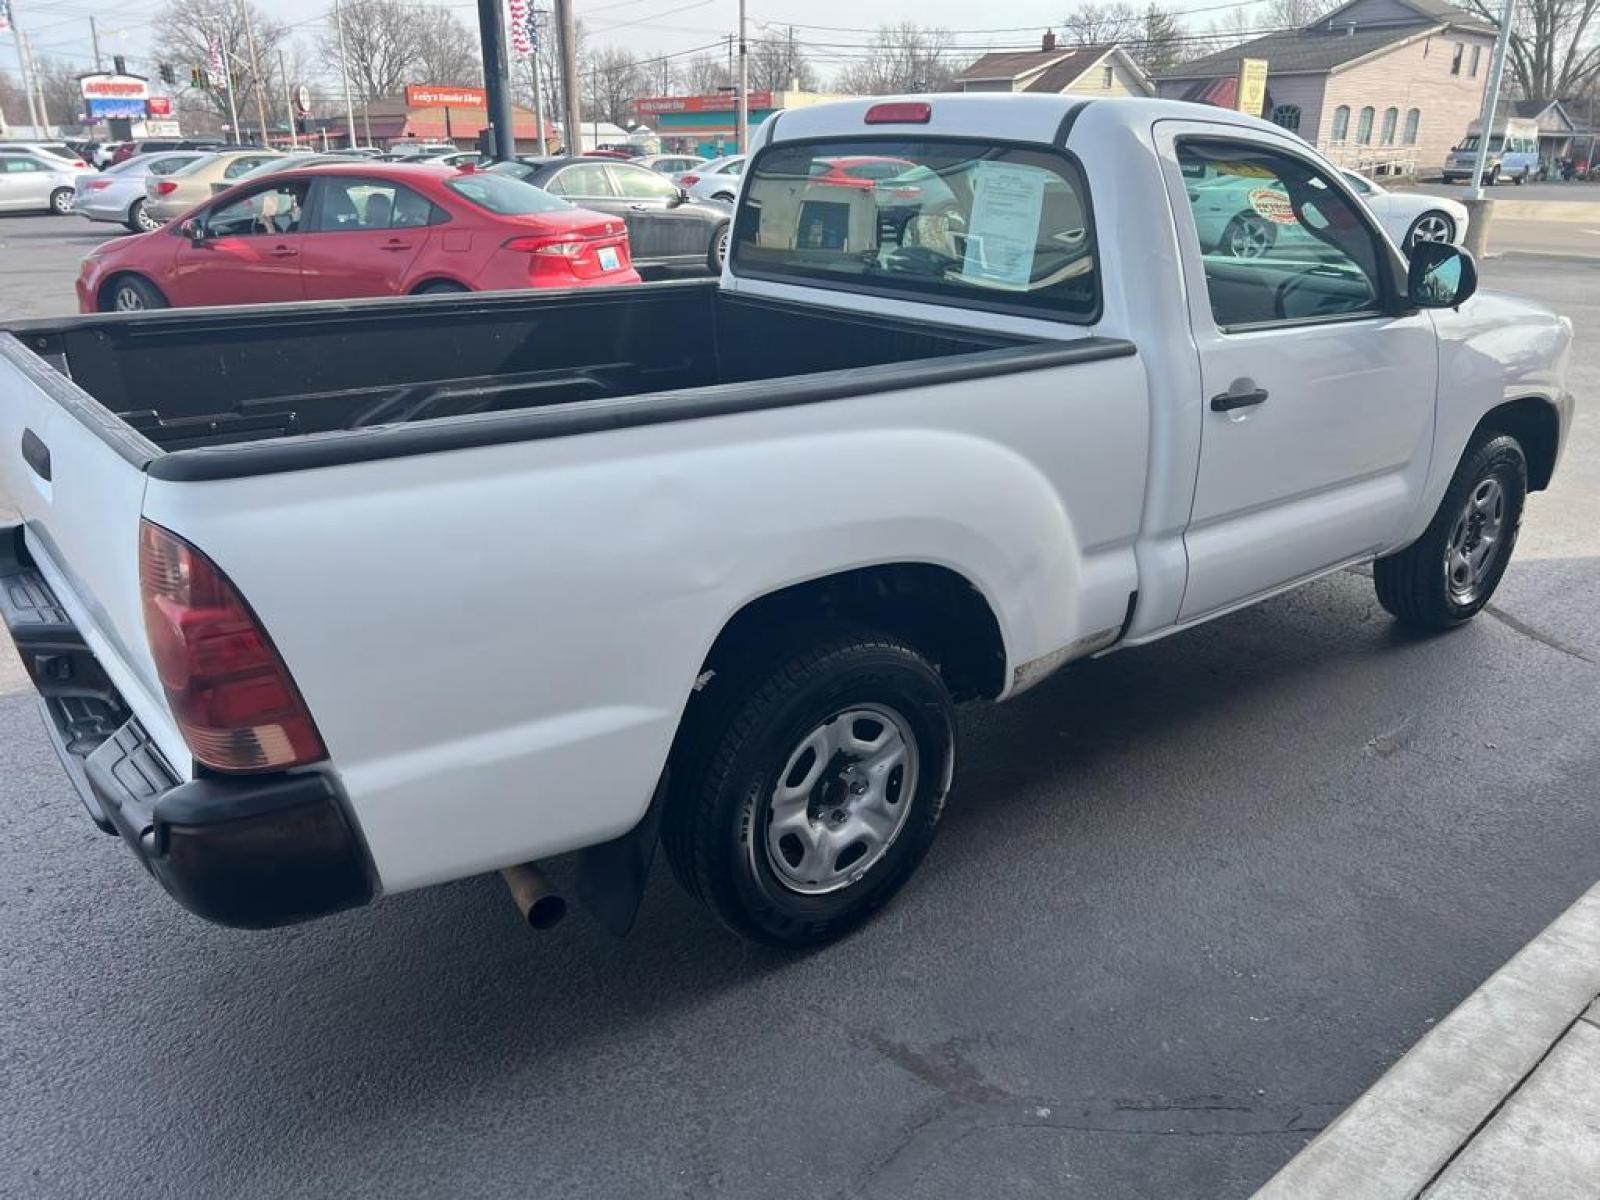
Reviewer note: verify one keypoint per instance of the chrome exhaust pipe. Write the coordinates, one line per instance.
(541, 906)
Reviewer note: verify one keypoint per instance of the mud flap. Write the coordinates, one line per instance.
(612, 875)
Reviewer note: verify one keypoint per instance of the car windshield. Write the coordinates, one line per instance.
(1470, 142)
(974, 223)
(502, 195)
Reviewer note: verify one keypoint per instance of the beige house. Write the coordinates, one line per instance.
(1058, 70)
(1377, 85)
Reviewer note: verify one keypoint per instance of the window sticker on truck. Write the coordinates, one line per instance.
(1001, 233)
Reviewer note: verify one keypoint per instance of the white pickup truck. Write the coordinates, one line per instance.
(335, 600)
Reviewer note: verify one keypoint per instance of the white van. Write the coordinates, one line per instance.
(1513, 152)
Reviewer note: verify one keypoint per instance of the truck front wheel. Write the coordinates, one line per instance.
(1449, 574)
(813, 786)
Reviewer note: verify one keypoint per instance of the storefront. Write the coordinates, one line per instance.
(707, 125)
(427, 113)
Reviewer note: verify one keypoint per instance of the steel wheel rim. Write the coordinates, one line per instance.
(841, 799)
(1249, 239)
(1476, 541)
(127, 299)
(1432, 227)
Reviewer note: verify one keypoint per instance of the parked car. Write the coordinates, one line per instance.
(337, 231)
(56, 152)
(105, 154)
(455, 158)
(409, 150)
(861, 170)
(172, 195)
(715, 180)
(1412, 217)
(117, 194)
(670, 165)
(287, 162)
(127, 150)
(666, 226)
(38, 183)
(1513, 152)
(392, 593)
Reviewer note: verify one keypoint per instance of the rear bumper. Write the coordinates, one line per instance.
(248, 851)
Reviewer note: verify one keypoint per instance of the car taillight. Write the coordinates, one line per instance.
(906, 112)
(99, 185)
(561, 247)
(688, 180)
(165, 187)
(234, 701)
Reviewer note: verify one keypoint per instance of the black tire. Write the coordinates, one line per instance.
(718, 252)
(132, 293)
(139, 221)
(1417, 585)
(725, 197)
(1246, 231)
(1432, 219)
(749, 728)
(440, 287)
(61, 202)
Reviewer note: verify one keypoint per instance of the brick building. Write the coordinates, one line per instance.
(1376, 84)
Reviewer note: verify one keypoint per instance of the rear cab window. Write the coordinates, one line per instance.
(956, 221)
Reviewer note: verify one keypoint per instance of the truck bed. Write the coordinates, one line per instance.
(187, 381)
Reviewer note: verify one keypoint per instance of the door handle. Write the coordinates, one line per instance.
(282, 252)
(393, 245)
(639, 207)
(36, 454)
(1228, 401)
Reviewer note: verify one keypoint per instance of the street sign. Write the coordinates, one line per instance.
(1252, 89)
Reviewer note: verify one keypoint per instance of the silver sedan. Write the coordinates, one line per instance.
(36, 182)
(118, 194)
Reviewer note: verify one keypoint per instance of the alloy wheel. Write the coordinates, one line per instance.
(1432, 227)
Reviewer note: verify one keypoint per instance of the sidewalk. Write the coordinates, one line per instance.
(1500, 1099)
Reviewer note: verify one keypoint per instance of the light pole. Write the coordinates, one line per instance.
(344, 76)
(1491, 97)
(744, 85)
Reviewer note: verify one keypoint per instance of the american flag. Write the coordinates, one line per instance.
(5, 15)
(521, 36)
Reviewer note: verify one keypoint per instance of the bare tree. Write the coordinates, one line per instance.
(185, 29)
(612, 82)
(58, 80)
(1554, 51)
(382, 41)
(1101, 24)
(704, 74)
(448, 51)
(777, 61)
(901, 58)
(1292, 14)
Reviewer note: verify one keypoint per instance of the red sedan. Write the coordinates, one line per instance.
(338, 231)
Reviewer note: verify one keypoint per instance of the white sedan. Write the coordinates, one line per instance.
(715, 180)
(1412, 217)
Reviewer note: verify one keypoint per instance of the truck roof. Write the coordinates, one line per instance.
(1010, 116)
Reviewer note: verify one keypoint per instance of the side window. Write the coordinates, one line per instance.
(1455, 58)
(18, 166)
(370, 204)
(1413, 123)
(1280, 243)
(734, 168)
(582, 179)
(166, 166)
(1364, 127)
(1391, 117)
(639, 183)
(1341, 124)
(1477, 56)
(268, 210)
(1288, 116)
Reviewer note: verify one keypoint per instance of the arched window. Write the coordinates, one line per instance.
(1341, 124)
(1413, 121)
(1288, 116)
(1391, 118)
(1364, 126)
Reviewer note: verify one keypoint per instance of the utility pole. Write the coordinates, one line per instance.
(26, 69)
(496, 78)
(594, 91)
(571, 109)
(227, 79)
(38, 86)
(538, 86)
(344, 76)
(94, 37)
(1491, 97)
(288, 103)
(255, 75)
(744, 84)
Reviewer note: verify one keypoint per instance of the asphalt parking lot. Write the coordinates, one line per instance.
(1189, 901)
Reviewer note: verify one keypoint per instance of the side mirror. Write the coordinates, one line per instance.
(1440, 275)
(683, 196)
(193, 230)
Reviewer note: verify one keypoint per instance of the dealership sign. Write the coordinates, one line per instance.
(719, 103)
(426, 95)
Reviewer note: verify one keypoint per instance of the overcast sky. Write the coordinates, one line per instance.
(830, 31)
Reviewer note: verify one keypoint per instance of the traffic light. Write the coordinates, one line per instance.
(197, 78)
(168, 75)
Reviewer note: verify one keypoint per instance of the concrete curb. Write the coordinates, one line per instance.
(1575, 211)
(1405, 1129)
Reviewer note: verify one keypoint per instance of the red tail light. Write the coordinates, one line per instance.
(166, 187)
(99, 185)
(235, 704)
(909, 112)
(688, 180)
(560, 245)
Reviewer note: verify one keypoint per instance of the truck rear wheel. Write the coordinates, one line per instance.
(1450, 573)
(813, 787)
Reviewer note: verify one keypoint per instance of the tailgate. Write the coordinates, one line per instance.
(75, 475)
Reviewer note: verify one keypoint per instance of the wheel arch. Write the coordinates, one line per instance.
(436, 277)
(102, 296)
(1535, 423)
